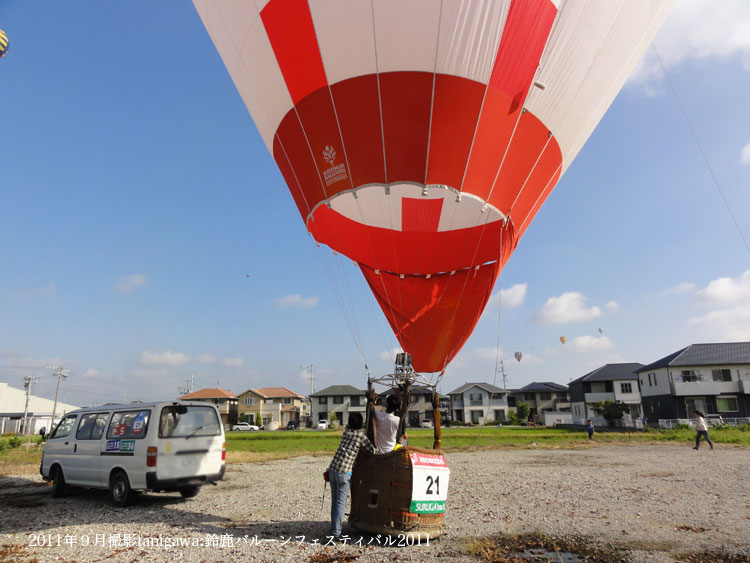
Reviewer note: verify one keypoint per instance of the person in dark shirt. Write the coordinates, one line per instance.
(340, 468)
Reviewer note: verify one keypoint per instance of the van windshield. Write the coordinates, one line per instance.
(185, 421)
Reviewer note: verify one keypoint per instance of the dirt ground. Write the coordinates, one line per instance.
(657, 503)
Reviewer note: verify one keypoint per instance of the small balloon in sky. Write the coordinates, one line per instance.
(563, 339)
(3, 44)
(601, 330)
(247, 275)
(518, 356)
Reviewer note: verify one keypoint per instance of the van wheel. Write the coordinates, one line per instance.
(119, 489)
(189, 492)
(59, 488)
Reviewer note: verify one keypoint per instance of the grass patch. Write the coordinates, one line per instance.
(539, 547)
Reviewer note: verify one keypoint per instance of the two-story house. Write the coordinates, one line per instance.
(340, 399)
(479, 403)
(420, 406)
(543, 397)
(277, 406)
(611, 382)
(226, 401)
(711, 378)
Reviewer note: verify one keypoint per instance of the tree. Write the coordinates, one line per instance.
(522, 411)
(258, 420)
(611, 410)
(244, 417)
(332, 418)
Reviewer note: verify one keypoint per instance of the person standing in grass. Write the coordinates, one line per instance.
(340, 468)
(590, 429)
(701, 430)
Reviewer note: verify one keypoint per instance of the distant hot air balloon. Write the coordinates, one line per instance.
(420, 139)
(601, 330)
(3, 44)
(518, 356)
(563, 339)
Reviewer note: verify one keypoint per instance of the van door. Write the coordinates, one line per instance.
(191, 441)
(59, 446)
(84, 462)
(124, 446)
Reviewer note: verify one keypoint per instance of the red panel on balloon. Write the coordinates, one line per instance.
(432, 318)
(291, 32)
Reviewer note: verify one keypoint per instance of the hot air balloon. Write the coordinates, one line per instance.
(3, 44)
(518, 356)
(420, 139)
(601, 330)
(563, 339)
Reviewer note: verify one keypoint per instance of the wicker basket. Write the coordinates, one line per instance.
(381, 489)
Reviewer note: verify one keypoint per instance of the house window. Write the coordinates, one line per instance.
(562, 397)
(475, 416)
(338, 400)
(689, 376)
(322, 400)
(499, 415)
(649, 380)
(355, 400)
(546, 396)
(249, 401)
(498, 396)
(475, 399)
(287, 400)
(608, 387)
(726, 404)
(528, 396)
(721, 374)
(626, 387)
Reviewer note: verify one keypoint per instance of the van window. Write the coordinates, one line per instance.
(65, 427)
(129, 425)
(92, 426)
(176, 422)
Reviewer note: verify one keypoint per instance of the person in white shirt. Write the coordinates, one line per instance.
(701, 430)
(386, 425)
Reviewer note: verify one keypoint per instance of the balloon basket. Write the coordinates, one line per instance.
(385, 494)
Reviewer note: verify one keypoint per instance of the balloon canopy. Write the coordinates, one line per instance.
(421, 138)
(563, 339)
(518, 356)
(3, 44)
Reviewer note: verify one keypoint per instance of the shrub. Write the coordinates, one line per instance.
(14, 441)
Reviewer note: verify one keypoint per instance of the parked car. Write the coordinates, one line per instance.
(426, 424)
(323, 425)
(714, 420)
(166, 446)
(240, 426)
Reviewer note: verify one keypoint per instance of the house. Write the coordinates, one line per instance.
(711, 378)
(226, 401)
(339, 399)
(420, 406)
(479, 403)
(277, 406)
(542, 397)
(611, 382)
(38, 416)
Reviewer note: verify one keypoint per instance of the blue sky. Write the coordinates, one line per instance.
(136, 195)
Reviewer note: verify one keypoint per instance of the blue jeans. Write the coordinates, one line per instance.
(339, 491)
(698, 438)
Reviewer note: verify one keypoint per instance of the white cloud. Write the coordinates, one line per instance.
(131, 283)
(725, 324)
(167, 358)
(389, 355)
(485, 353)
(587, 343)
(207, 359)
(724, 292)
(745, 157)
(90, 373)
(296, 300)
(233, 362)
(512, 297)
(679, 289)
(697, 30)
(569, 307)
(612, 306)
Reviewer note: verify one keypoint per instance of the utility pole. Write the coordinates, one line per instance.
(60, 374)
(27, 381)
(505, 377)
(311, 377)
(190, 383)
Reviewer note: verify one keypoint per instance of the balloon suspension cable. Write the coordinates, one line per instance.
(403, 375)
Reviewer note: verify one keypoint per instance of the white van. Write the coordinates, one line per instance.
(167, 446)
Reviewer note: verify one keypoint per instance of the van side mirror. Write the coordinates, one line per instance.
(181, 409)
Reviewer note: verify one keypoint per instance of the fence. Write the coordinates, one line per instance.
(672, 422)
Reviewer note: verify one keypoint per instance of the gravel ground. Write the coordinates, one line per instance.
(655, 500)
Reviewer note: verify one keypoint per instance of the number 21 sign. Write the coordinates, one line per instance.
(430, 476)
